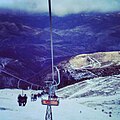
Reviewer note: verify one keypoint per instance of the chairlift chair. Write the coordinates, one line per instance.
(22, 98)
(52, 99)
(50, 102)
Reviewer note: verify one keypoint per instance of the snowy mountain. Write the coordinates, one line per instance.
(86, 66)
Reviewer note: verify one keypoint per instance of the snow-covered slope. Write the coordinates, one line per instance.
(102, 86)
(67, 110)
(101, 93)
(94, 99)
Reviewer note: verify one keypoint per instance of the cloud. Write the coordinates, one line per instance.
(62, 7)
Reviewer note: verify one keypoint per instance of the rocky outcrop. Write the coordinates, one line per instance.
(87, 66)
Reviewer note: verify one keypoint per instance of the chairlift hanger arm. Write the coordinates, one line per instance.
(58, 73)
(18, 84)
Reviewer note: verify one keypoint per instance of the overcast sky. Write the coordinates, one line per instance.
(62, 7)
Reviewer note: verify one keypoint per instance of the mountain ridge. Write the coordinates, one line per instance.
(25, 40)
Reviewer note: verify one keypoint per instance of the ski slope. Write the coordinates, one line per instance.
(72, 105)
(67, 110)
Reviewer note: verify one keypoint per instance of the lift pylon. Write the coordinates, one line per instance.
(48, 115)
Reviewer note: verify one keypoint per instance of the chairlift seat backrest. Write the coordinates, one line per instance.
(53, 102)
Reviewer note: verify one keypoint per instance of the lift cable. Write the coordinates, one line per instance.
(52, 98)
(20, 79)
(51, 39)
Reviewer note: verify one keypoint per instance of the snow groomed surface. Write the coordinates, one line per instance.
(68, 109)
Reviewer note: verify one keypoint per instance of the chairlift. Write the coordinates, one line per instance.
(52, 99)
(33, 94)
(50, 102)
(22, 98)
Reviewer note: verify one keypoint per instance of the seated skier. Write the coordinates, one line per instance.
(19, 99)
(35, 97)
(24, 100)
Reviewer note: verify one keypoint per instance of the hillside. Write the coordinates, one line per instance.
(101, 93)
(95, 60)
(25, 42)
(86, 66)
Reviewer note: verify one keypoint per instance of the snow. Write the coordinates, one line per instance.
(101, 93)
(69, 109)
(94, 99)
